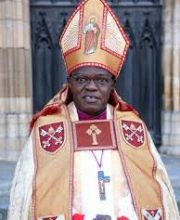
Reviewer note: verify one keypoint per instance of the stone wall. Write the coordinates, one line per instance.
(171, 75)
(15, 77)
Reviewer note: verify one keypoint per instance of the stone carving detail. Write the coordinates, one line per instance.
(42, 32)
(130, 33)
(147, 35)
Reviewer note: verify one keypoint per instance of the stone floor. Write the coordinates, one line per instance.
(6, 175)
(172, 164)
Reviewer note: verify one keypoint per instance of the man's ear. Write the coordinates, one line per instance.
(69, 82)
(114, 81)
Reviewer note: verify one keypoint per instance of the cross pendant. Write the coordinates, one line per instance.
(101, 182)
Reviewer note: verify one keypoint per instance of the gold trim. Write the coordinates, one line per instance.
(123, 161)
(139, 164)
(71, 175)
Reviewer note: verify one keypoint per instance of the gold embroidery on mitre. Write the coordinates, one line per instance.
(93, 36)
(114, 39)
(91, 31)
(71, 36)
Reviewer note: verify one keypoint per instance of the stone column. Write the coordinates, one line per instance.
(15, 77)
(171, 72)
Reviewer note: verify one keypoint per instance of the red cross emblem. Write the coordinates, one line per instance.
(153, 214)
(133, 133)
(52, 136)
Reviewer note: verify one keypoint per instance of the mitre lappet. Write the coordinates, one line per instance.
(93, 36)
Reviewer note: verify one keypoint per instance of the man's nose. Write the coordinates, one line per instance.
(91, 85)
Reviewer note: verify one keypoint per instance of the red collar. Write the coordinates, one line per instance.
(85, 116)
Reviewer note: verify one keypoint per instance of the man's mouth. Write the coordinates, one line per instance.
(90, 99)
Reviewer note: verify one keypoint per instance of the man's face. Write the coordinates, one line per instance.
(91, 88)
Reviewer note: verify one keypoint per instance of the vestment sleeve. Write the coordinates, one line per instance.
(169, 202)
(21, 191)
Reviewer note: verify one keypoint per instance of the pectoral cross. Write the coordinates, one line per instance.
(101, 182)
(94, 131)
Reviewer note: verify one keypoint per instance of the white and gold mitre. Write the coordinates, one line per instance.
(93, 36)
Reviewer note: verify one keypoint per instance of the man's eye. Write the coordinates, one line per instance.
(81, 79)
(102, 80)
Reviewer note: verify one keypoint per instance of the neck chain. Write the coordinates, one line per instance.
(99, 163)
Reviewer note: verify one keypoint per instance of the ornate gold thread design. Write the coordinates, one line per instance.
(95, 147)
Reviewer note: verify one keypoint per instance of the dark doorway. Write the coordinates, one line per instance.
(139, 81)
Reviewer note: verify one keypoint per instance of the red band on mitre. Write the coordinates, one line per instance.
(93, 36)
